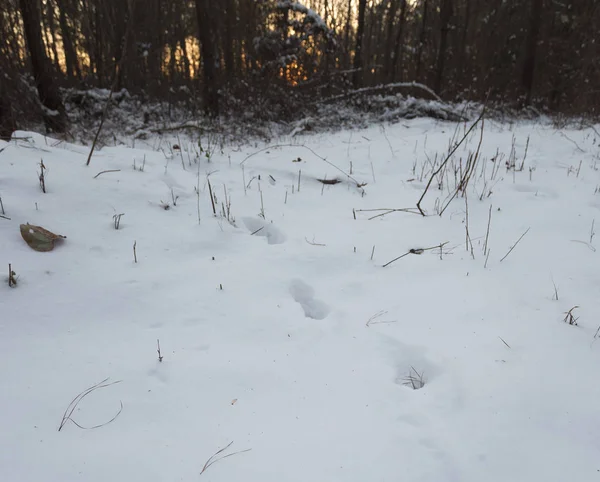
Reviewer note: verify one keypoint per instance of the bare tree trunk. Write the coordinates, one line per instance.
(7, 121)
(99, 53)
(73, 70)
(445, 15)
(535, 20)
(54, 114)
(184, 54)
(358, 52)
(422, 36)
(463, 47)
(399, 44)
(52, 29)
(209, 68)
(389, 39)
(347, 32)
(228, 43)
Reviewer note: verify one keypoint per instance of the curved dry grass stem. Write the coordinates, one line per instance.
(213, 459)
(67, 416)
(358, 184)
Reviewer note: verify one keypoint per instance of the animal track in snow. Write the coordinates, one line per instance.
(305, 296)
(260, 227)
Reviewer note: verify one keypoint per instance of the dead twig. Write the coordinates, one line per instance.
(12, 280)
(515, 245)
(118, 68)
(385, 212)
(415, 251)
(487, 234)
(445, 161)
(312, 243)
(160, 357)
(110, 170)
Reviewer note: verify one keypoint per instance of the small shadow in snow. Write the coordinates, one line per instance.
(305, 296)
(260, 227)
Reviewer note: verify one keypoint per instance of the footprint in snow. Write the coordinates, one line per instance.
(305, 296)
(260, 227)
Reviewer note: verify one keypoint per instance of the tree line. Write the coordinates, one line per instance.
(233, 54)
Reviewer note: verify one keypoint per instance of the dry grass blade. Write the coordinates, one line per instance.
(386, 211)
(358, 184)
(67, 416)
(570, 318)
(414, 379)
(445, 161)
(313, 242)
(515, 245)
(213, 459)
(379, 314)
(101, 424)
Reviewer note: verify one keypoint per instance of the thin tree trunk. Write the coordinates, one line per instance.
(54, 114)
(184, 55)
(463, 46)
(347, 32)
(357, 79)
(73, 70)
(98, 47)
(535, 20)
(207, 49)
(52, 29)
(398, 48)
(389, 38)
(422, 37)
(445, 15)
(228, 43)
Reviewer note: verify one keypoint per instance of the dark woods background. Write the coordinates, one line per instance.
(269, 58)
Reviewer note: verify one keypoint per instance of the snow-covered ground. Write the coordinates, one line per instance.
(285, 336)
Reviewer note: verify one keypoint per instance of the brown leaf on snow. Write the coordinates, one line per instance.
(38, 238)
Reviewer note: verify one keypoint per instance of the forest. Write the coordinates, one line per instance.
(274, 59)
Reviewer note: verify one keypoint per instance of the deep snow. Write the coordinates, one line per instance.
(264, 323)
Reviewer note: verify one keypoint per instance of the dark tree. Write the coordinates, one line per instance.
(358, 51)
(535, 20)
(445, 15)
(209, 67)
(54, 112)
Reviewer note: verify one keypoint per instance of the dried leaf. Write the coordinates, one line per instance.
(38, 238)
